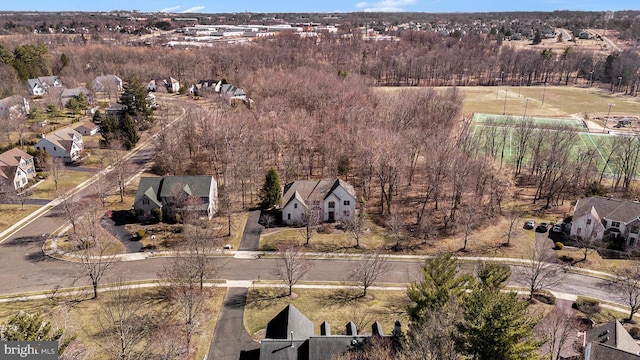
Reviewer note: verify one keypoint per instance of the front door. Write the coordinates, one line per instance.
(332, 216)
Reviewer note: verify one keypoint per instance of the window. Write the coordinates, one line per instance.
(54, 149)
(347, 202)
(288, 216)
(579, 231)
(295, 205)
(347, 213)
(634, 229)
(145, 201)
(332, 204)
(632, 242)
(588, 221)
(615, 224)
(316, 202)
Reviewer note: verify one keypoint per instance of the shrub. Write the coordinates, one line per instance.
(141, 233)
(545, 297)
(566, 258)
(588, 306)
(157, 214)
(559, 246)
(635, 332)
(325, 229)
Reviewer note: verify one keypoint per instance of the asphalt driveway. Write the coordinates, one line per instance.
(230, 340)
(251, 235)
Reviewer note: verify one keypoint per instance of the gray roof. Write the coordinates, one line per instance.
(608, 208)
(32, 83)
(613, 334)
(156, 188)
(313, 190)
(71, 93)
(606, 352)
(289, 320)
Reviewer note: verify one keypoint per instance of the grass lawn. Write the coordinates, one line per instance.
(11, 214)
(330, 240)
(337, 307)
(79, 318)
(68, 180)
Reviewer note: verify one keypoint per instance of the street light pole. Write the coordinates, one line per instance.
(520, 88)
(544, 91)
(499, 84)
(609, 111)
(619, 82)
(590, 78)
(504, 108)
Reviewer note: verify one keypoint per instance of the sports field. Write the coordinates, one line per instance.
(498, 127)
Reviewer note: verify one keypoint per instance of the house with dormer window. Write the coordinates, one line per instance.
(16, 166)
(173, 194)
(596, 216)
(65, 143)
(330, 200)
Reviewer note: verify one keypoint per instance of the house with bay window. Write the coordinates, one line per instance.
(328, 200)
(598, 216)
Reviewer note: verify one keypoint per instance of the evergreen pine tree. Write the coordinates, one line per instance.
(270, 194)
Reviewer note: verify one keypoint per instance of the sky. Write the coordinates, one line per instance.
(272, 6)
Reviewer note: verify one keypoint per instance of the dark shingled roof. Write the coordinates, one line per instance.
(288, 320)
(613, 334)
(607, 208)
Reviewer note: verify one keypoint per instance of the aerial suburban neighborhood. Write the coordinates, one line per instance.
(374, 184)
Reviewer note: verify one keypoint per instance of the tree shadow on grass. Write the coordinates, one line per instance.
(263, 298)
(340, 297)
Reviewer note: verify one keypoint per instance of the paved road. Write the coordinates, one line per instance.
(230, 338)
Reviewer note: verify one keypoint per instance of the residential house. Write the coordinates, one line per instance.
(88, 128)
(65, 143)
(40, 85)
(17, 167)
(14, 105)
(107, 83)
(68, 94)
(610, 341)
(597, 215)
(116, 110)
(209, 85)
(172, 85)
(152, 86)
(328, 200)
(290, 336)
(172, 194)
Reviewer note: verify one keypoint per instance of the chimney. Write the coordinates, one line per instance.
(325, 329)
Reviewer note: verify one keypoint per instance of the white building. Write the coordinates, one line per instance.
(329, 200)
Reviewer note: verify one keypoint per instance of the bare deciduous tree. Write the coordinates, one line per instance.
(55, 167)
(124, 329)
(559, 329)
(513, 217)
(626, 287)
(94, 252)
(368, 270)
(309, 218)
(539, 270)
(291, 265)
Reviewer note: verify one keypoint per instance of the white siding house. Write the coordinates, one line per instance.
(64, 143)
(328, 200)
(595, 216)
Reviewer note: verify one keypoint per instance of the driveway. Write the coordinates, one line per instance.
(251, 235)
(115, 225)
(230, 340)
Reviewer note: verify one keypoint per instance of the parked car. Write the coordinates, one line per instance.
(530, 224)
(556, 228)
(542, 228)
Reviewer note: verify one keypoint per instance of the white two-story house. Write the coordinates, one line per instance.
(64, 143)
(16, 167)
(595, 215)
(329, 200)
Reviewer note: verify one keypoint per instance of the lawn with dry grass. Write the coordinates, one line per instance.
(78, 316)
(337, 307)
(327, 238)
(69, 179)
(10, 214)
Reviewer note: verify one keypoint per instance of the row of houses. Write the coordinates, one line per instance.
(227, 91)
(104, 83)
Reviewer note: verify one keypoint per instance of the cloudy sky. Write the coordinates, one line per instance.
(218, 6)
